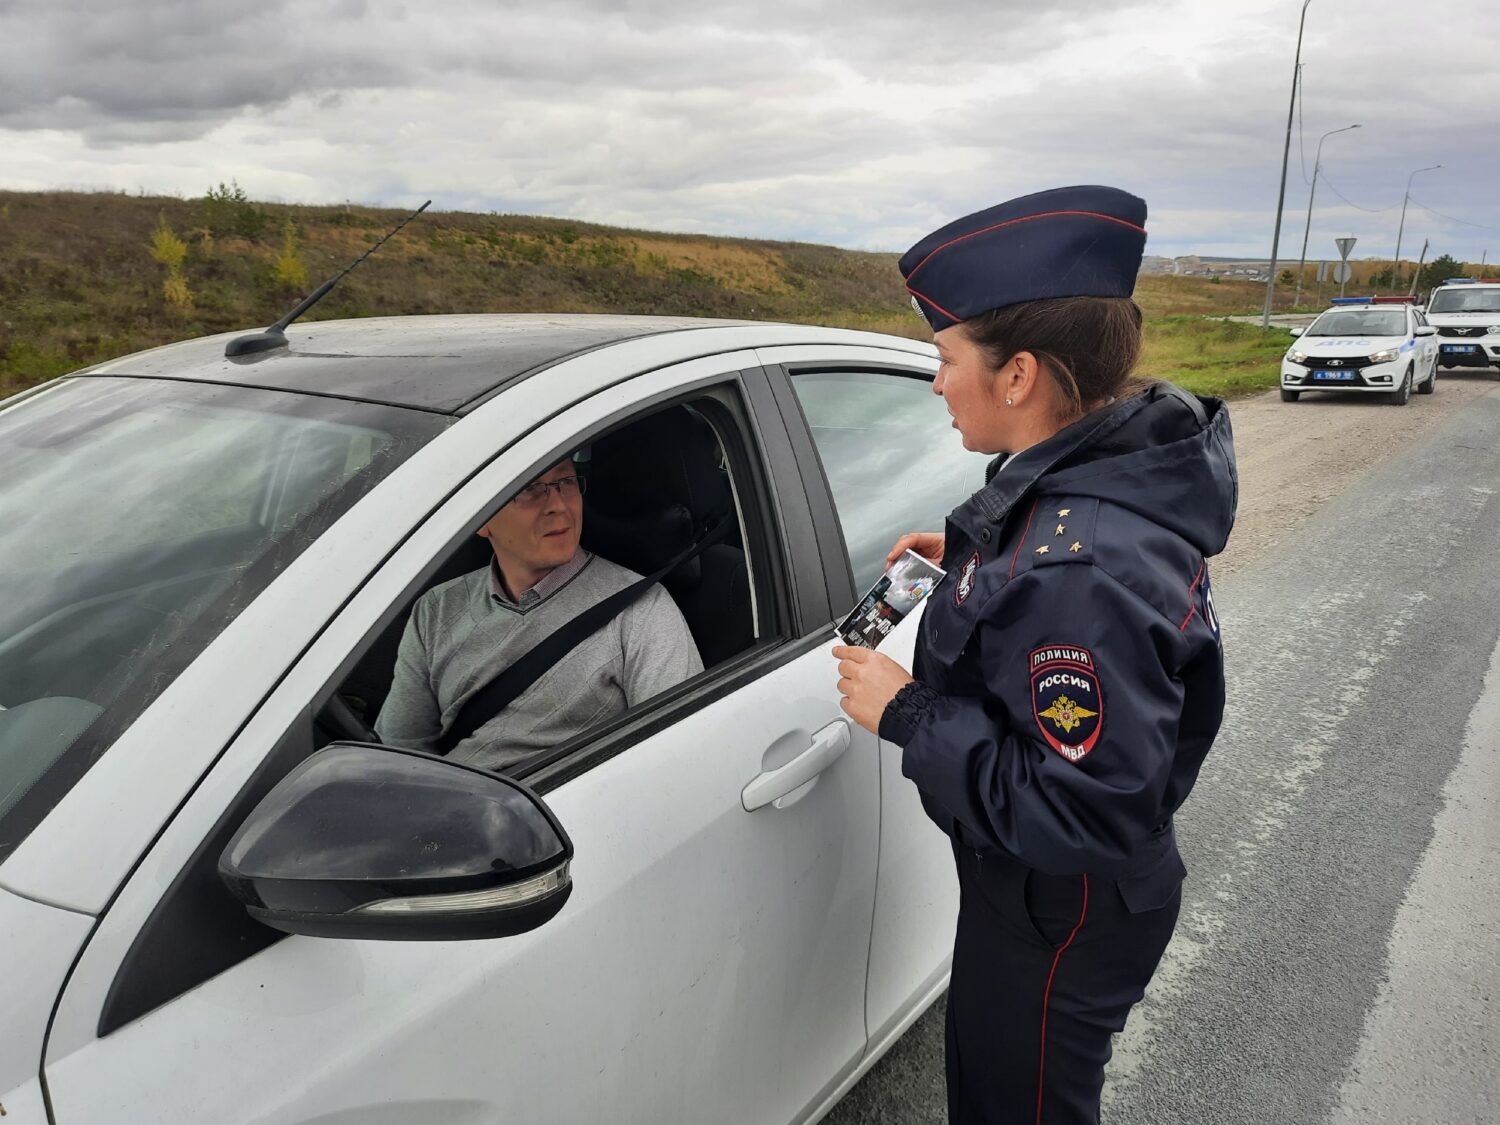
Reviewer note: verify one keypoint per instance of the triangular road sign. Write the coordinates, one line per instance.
(1345, 245)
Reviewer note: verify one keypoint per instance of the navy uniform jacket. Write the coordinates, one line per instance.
(1069, 673)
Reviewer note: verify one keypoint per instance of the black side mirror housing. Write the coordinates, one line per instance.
(365, 841)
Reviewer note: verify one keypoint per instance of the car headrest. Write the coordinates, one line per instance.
(653, 487)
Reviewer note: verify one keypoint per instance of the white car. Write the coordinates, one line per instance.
(723, 906)
(1466, 314)
(1363, 345)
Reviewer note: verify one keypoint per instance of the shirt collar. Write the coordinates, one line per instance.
(551, 582)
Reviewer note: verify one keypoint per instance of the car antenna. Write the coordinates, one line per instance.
(275, 335)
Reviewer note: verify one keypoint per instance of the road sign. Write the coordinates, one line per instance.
(1343, 271)
(1322, 272)
(1345, 245)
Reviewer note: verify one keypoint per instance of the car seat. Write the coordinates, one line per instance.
(654, 487)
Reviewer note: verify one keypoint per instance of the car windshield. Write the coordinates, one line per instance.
(1465, 300)
(1359, 322)
(140, 517)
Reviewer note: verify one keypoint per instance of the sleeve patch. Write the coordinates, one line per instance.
(1066, 699)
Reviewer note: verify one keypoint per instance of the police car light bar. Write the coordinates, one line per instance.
(1353, 300)
(1459, 280)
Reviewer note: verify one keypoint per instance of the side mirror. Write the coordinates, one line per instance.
(1426, 330)
(364, 841)
(1296, 331)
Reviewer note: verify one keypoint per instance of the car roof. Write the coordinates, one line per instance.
(436, 363)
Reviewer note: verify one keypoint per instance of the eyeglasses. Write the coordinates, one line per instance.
(535, 495)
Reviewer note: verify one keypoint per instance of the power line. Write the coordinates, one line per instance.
(1451, 219)
(1356, 206)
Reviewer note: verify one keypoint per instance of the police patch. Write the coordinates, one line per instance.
(965, 585)
(1066, 700)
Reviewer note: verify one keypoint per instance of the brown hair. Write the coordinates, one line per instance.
(1088, 345)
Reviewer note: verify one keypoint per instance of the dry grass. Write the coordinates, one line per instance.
(78, 284)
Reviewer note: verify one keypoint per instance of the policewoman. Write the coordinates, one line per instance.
(1068, 677)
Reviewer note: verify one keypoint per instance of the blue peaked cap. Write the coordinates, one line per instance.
(1067, 242)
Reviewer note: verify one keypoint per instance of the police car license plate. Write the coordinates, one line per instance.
(1460, 347)
(1334, 376)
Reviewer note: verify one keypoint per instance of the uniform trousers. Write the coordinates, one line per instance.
(1045, 969)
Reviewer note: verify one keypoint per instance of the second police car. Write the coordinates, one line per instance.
(1379, 345)
(1466, 313)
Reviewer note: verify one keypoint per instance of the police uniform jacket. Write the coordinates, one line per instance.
(1069, 674)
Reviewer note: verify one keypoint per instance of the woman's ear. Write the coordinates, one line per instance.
(1019, 378)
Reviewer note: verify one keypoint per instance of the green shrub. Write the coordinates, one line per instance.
(227, 210)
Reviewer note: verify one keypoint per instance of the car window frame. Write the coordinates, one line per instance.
(153, 969)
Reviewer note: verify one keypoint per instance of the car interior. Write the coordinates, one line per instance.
(656, 486)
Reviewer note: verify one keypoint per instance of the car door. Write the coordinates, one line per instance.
(709, 965)
(882, 443)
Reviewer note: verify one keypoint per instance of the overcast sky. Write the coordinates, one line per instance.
(864, 125)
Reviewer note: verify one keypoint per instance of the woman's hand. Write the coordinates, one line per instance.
(928, 544)
(868, 681)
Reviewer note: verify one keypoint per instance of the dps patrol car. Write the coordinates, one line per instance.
(1368, 344)
(1466, 313)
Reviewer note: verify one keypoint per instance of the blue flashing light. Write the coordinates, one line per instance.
(1353, 300)
(1460, 281)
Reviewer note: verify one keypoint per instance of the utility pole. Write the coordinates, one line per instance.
(1396, 262)
(1286, 152)
(1317, 163)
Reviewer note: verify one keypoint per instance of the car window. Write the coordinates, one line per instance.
(1359, 322)
(893, 460)
(141, 516)
(655, 487)
(1463, 298)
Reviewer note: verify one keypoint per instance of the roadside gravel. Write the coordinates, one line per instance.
(1296, 456)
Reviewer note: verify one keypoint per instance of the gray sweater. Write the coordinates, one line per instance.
(463, 633)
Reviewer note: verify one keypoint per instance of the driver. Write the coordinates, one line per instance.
(465, 632)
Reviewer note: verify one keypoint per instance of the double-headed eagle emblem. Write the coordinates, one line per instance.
(1067, 714)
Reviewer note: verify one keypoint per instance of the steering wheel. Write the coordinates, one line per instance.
(341, 720)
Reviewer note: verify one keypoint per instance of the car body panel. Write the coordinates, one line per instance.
(916, 906)
(40, 943)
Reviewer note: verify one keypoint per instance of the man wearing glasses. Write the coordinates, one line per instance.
(463, 633)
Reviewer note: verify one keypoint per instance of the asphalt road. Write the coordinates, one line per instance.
(1338, 955)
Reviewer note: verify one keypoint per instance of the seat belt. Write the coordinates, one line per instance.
(510, 682)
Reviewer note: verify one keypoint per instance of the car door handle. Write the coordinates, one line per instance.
(827, 747)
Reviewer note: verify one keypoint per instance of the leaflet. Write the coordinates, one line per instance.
(895, 594)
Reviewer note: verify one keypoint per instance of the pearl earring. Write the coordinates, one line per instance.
(1009, 403)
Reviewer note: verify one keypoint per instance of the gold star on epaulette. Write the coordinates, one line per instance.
(1042, 550)
(1061, 512)
(1060, 529)
(1076, 547)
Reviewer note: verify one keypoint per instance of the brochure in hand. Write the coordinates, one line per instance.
(895, 594)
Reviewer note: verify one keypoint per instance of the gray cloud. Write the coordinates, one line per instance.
(778, 119)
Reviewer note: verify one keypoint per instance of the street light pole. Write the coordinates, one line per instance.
(1286, 152)
(1396, 262)
(1317, 163)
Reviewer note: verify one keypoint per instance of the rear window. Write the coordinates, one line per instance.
(140, 517)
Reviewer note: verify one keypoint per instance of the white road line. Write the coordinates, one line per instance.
(1430, 1051)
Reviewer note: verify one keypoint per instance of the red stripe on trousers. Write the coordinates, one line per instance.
(1046, 996)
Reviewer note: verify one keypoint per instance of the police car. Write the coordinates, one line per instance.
(723, 905)
(1379, 345)
(1466, 313)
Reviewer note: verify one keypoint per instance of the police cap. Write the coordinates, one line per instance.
(1067, 242)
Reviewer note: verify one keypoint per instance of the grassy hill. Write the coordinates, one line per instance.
(79, 282)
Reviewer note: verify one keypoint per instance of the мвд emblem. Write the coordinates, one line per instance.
(1066, 699)
(965, 585)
